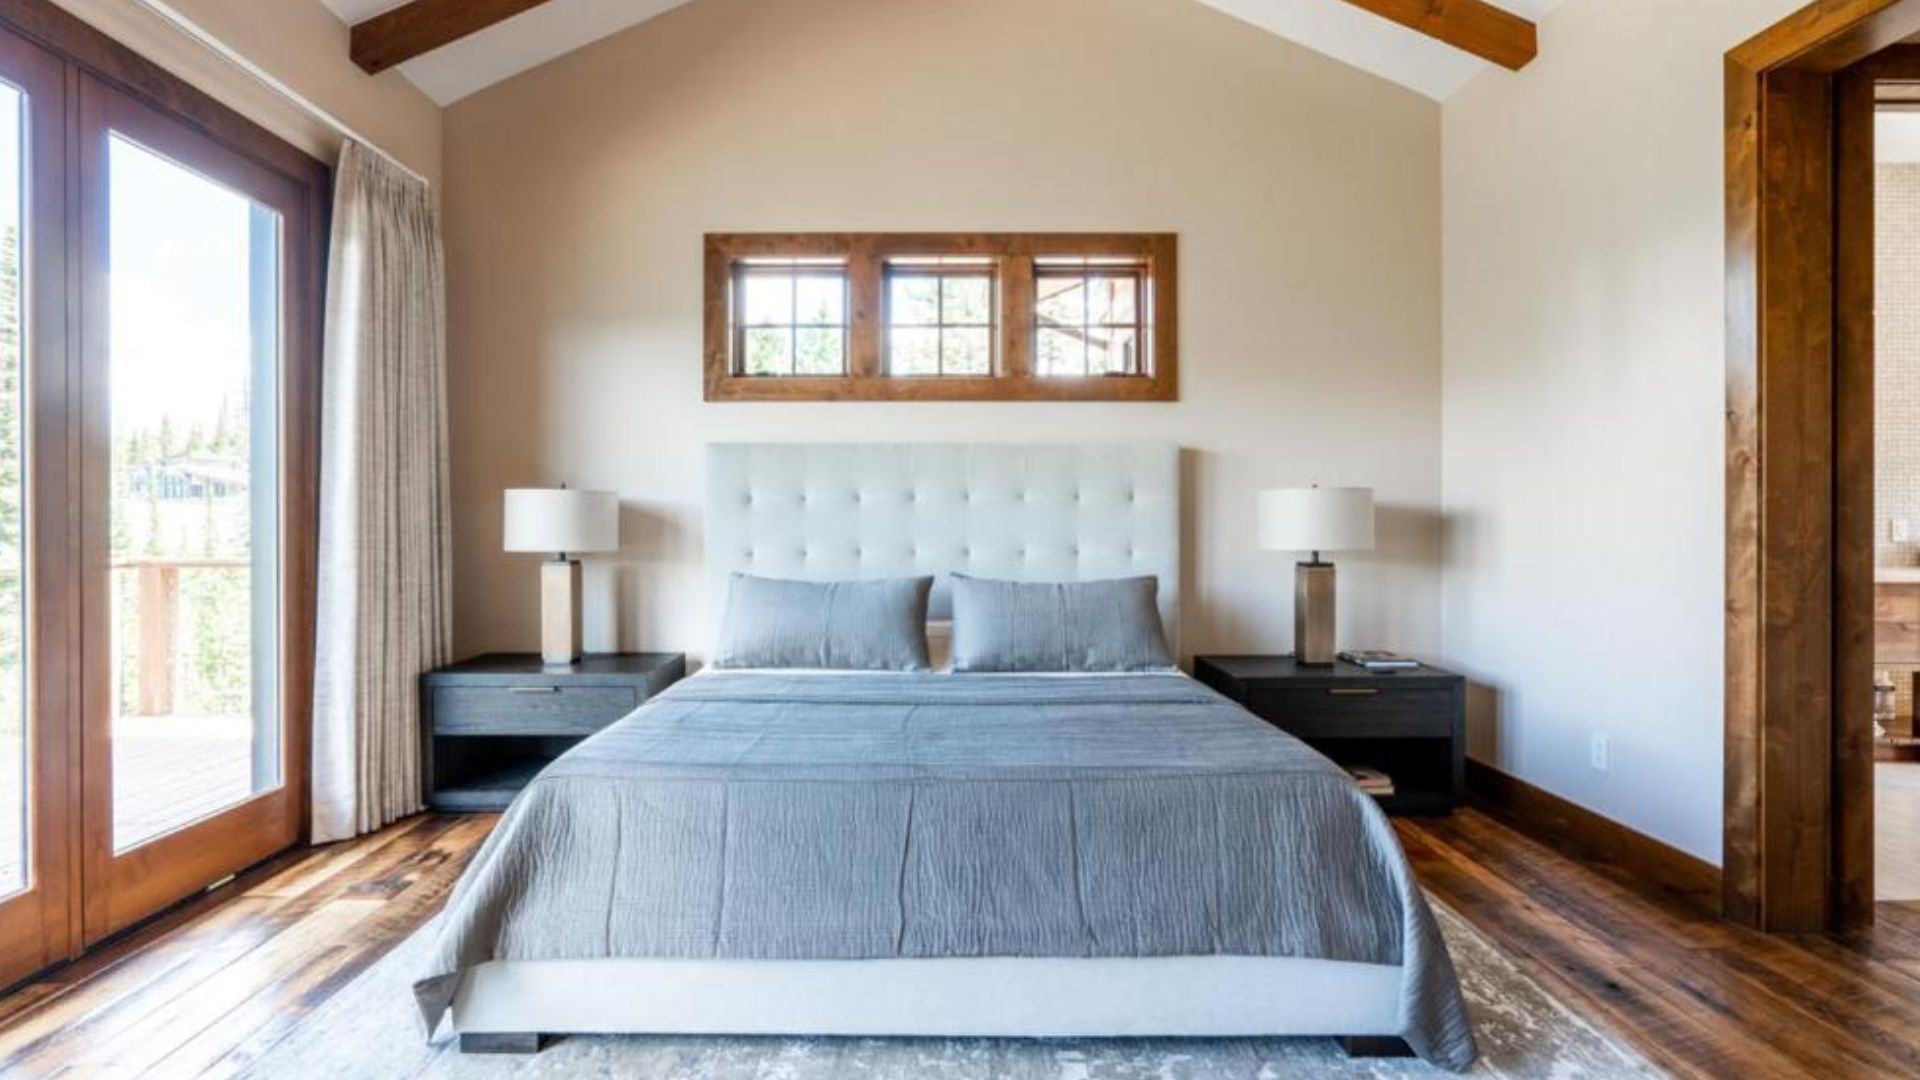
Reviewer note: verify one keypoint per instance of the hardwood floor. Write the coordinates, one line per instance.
(207, 987)
(210, 986)
(1701, 997)
(1896, 830)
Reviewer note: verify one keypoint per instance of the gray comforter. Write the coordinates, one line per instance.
(756, 816)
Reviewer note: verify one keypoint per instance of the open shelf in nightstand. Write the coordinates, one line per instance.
(486, 772)
(1421, 769)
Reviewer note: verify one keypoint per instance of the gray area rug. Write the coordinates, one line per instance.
(369, 1031)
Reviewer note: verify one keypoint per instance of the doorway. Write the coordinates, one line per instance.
(1896, 470)
(1801, 526)
(158, 360)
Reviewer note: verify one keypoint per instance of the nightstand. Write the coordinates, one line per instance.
(494, 721)
(1410, 724)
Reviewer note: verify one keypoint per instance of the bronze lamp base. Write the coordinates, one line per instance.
(1313, 614)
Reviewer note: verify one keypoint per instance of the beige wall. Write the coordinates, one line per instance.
(1305, 194)
(1583, 446)
(300, 43)
(1896, 368)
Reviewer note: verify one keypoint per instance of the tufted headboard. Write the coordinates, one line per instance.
(820, 511)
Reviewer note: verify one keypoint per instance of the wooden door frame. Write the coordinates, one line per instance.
(120, 888)
(37, 924)
(1799, 497)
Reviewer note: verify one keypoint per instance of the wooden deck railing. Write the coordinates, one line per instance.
(157, 600)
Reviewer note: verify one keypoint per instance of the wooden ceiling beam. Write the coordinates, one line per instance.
(1471, 25)
(418, 28)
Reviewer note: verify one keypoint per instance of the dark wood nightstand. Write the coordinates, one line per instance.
(494, 721)
(1411, 725)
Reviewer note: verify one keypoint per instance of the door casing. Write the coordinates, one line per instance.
(1798, 852)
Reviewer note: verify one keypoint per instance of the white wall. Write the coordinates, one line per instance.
(1583, 393)
(1896, 137)
(1896, 347)
(1305, 194)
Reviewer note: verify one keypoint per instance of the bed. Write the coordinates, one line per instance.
(833, 853)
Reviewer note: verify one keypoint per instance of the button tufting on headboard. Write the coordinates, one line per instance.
(1043, 513)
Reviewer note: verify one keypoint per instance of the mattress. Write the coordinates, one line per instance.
(765, 816)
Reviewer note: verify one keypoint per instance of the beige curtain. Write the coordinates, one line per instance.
(385, 586)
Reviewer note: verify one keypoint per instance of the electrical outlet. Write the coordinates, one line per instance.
(1602, 752)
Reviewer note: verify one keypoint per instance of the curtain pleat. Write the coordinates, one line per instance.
(385, 584)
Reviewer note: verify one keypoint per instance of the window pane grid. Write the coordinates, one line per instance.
(940, 316)
(1089, 319)
(791, 318)
(940, 322)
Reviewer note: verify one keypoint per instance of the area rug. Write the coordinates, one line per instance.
(369, 1031)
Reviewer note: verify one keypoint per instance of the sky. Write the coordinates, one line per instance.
(179, 291)
(10, 106)
(179, 285)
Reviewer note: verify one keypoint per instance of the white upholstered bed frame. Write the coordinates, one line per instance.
(838, 512)
(826, 512)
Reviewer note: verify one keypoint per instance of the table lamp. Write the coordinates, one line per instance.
(1315, 520)
(561, 523)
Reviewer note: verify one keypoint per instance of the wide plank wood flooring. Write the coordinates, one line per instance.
(1701, 997)
(207, 988)
(1896, 830)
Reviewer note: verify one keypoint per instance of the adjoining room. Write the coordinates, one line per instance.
(1897, 501)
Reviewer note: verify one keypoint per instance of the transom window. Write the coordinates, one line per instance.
(1090, 315)
(941, 316)
(791, 317)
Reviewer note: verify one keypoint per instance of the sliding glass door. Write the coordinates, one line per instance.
(187, 756)
(159, 398)
(38, 627)
(192, 519)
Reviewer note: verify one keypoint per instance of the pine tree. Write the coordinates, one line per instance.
(10, 448)
(150, 544)
(224, 443)
(12, 501)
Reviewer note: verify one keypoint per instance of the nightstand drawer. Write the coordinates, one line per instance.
(1357, 712)
(532, 709)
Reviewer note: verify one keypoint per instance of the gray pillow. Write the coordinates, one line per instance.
(844, 625)
(1057, 626)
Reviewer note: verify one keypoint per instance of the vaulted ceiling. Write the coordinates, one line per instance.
(1430, 46)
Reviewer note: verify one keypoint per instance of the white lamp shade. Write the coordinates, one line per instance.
(1316, 519)
(555, 521)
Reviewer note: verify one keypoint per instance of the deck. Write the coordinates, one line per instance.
(169, 771)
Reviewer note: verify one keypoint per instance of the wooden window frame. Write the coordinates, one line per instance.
(995, 326)
(1013, 256)
(744, 269)
(1142, 324)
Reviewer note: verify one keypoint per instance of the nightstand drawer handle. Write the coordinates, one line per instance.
(1353, 692)
(533, 689)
